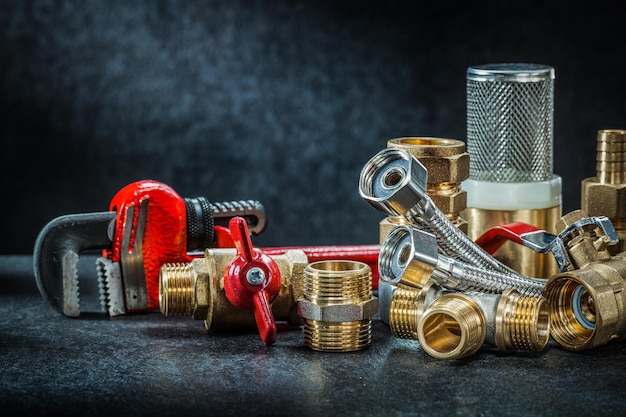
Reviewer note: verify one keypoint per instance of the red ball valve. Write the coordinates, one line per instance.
(252, 280)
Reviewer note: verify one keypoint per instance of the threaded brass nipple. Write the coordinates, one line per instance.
(176, 289)
(337, 306)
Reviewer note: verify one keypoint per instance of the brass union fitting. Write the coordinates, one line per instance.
(196, 289)
(588, 304)
(454, 325)
(337, 306)
(605, 194)
(448, 165)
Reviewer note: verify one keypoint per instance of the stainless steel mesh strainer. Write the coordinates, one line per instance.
(510, 124)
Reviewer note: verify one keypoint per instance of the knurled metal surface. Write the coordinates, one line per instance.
(510, 122)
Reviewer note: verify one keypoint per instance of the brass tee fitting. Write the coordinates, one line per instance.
(337, 306)
(196, 289)
(588, 303)
(454, 325)
(605, 194)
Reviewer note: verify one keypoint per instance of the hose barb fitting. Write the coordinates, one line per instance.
(454, 325)
(588, 301)
(337, 306)
(605, 194)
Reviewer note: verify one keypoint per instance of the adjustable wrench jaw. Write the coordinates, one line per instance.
(56, 253)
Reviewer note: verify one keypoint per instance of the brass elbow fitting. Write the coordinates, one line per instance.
(605, 194)
(196, 289)
(448, 165)
(588, 302)
(337, 306)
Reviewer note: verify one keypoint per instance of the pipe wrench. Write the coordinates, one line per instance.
(147, 225)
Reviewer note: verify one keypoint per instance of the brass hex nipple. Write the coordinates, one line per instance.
(337, 306)
(605, 194)
(588, 304)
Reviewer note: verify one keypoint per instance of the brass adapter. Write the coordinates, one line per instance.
(196, 289)
(337, 306)
(454, 325)
(605, 194)
(448, 165)
(588, 302)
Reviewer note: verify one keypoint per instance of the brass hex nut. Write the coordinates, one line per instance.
(453, 168)
(338, 312)
(600, 199)
(445, 159)
(451, 203)
(201, 290)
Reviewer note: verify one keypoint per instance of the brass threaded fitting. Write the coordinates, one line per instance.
(456, 325)
(523, 322)
(453, 327)
(196, 289)
(588, 304)
(176, 292)
(403, 315)
(448, 165)
(337, 306)
(605, 194)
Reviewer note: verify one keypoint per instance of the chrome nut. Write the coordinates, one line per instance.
(338, 312)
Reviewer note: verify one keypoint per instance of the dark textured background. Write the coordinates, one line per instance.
(280, 101)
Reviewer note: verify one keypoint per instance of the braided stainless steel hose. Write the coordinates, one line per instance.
(394, 182)
(409, 255)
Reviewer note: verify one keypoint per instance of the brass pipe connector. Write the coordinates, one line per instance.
(448, 166)
(588, 303)
(337, 306)
(454, 325)
(196, 289)
(605, 194)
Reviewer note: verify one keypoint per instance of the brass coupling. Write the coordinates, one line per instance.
(588, 302)
(337, 306)
(454, 325)
(605, 194)
(196, 289)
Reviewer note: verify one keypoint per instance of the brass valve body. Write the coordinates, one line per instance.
(196, 289)
(337, 306)
(588, 304)
(448, 165)
(605, 194)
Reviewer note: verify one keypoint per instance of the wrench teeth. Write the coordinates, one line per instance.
(110, 287)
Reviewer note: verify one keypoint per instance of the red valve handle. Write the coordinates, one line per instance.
(497, 236)
(252, 280)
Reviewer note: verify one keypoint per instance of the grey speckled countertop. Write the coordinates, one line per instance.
(149, 364)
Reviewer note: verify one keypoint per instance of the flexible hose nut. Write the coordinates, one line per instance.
(337, 306)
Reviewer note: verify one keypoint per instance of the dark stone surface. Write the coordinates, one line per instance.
(149, 364)
(280, 101)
